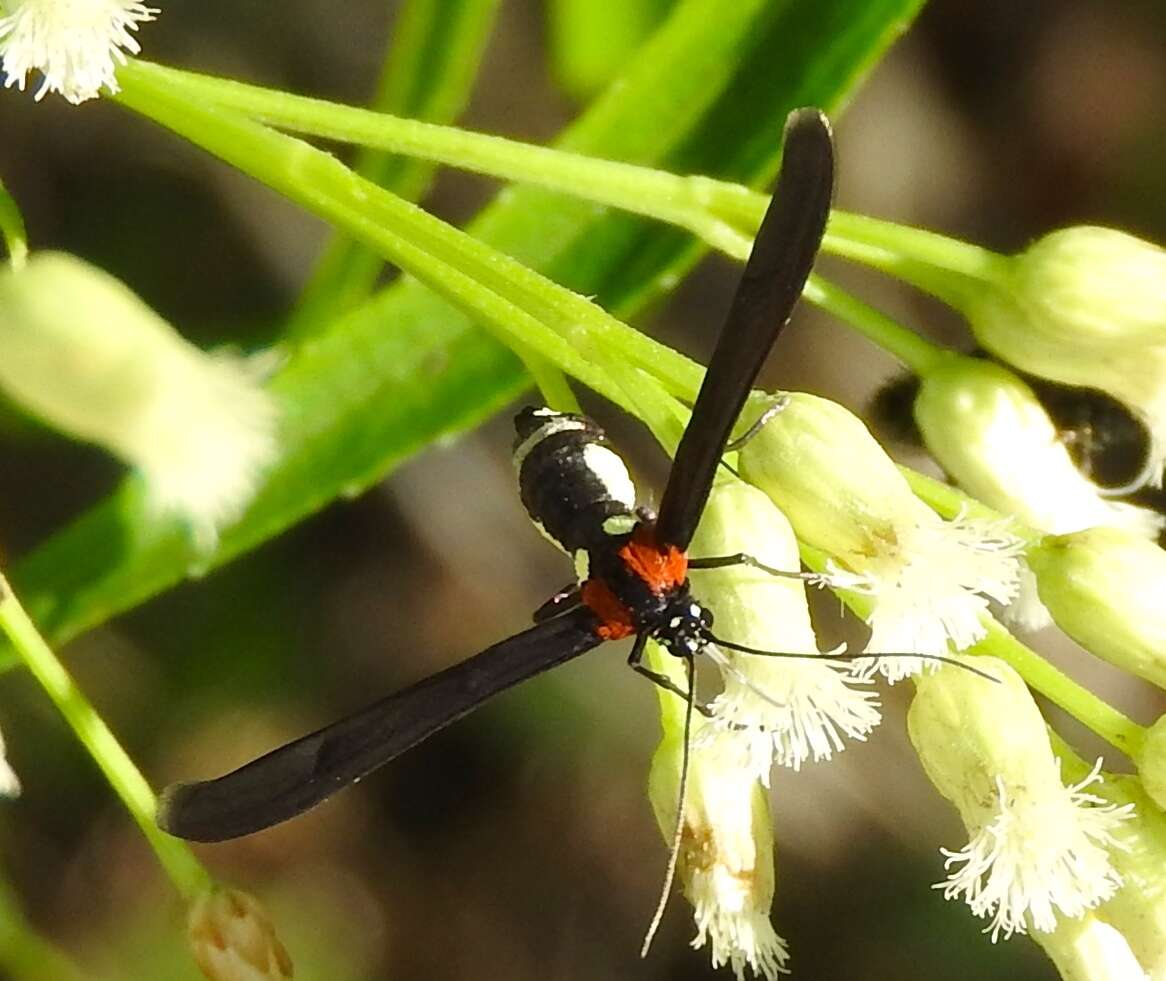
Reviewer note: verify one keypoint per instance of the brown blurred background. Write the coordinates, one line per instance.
(519, 843)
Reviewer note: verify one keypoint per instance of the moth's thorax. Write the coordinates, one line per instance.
(577, 491)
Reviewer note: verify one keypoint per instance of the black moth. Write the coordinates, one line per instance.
(633, 565)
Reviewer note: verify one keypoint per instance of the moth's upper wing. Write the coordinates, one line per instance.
(292, 779)
(783, 254)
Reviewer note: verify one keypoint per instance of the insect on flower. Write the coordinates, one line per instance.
(632, 565)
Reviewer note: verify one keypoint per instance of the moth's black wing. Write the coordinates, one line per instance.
(292, 779)
(783, 254)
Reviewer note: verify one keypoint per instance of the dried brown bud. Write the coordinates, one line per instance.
(233, 938)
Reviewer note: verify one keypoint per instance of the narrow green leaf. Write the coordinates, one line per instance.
(429, 73)
(591, 40)
(382, 382)
(12, 228)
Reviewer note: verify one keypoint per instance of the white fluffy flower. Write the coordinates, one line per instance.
(929, 580)
(725, 862)
(931, 585)
(1038, 851)
(82, 352)
(76, 45)
(782, 710)
(1036, 855)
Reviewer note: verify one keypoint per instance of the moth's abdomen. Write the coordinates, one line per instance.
(572, 483)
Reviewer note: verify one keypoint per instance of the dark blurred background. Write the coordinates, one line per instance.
(518, 844)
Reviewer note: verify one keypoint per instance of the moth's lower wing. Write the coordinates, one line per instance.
(292, 779)
(779, 264)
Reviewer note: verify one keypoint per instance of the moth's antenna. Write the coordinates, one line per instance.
(678, 831)
(848, 655)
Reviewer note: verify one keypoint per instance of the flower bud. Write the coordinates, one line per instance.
(1087, 949)
(234, 940)
(86, 355)
(989, 431)
(1138, 909)
(841, 492)
(725, 861)
(1105, 589)
(1085, 306)
(1151, 761)
(1037, 849)
(773, 709)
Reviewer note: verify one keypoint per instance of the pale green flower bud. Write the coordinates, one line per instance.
(989, 431)
(1105, 588)
(1087, 949)
(929, 579)
(233, 938)
(76, 45)
(1138, 909)
(86, 355)
(1151, 762)
(1038, 849)
(1084, 306)
(773, 709)
(725, 863)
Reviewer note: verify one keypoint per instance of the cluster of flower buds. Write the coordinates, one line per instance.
(1085, 306)
(929, 580)
(1056, 849)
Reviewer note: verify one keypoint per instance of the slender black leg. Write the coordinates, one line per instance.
(741, 558)
(636, 663)
(565, 599)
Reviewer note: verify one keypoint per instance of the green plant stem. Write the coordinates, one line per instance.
(677, 200)
(915, 352)
(428, 73)
(184, 870)
(553, 386)
(1099, 716)
(723, 214)
(951, 502)
(12, 229)
(948, 269)
(1095, 713)
(520, 306)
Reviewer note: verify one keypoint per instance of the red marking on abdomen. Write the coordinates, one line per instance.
(616, 619)
(662, 567)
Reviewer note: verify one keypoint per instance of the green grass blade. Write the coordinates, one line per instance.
(404, 369)
(429, 73)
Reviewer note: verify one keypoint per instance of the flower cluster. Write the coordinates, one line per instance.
(1057, 849)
